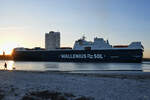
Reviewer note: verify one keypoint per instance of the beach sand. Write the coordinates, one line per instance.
(20, 85)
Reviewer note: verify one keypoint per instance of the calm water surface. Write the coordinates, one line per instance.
(70, 66)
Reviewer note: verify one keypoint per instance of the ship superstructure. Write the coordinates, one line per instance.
(101, 44)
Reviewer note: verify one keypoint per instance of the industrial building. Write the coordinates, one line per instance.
(52, 40)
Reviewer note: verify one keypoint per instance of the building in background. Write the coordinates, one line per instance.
(52, 40)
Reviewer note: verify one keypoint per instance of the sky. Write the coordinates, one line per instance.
(23, 23)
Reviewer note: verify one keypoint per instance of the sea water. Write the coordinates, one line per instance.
(74, 66)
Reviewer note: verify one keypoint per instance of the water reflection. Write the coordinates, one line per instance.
(69, 66)
(10, 65)
(7, 65)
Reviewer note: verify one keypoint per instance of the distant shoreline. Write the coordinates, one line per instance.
(6, 57)
(146, 59)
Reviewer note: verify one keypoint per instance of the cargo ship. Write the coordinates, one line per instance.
(98, 50)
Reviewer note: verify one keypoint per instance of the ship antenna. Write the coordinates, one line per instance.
(107, 40)
(83, 37)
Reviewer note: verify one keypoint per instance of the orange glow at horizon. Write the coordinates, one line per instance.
(7, 48)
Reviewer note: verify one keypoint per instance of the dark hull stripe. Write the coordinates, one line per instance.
(80, 55)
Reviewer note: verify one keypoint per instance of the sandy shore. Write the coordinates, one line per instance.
(18, 85)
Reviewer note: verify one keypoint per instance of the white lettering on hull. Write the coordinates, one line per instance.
(82, 56)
